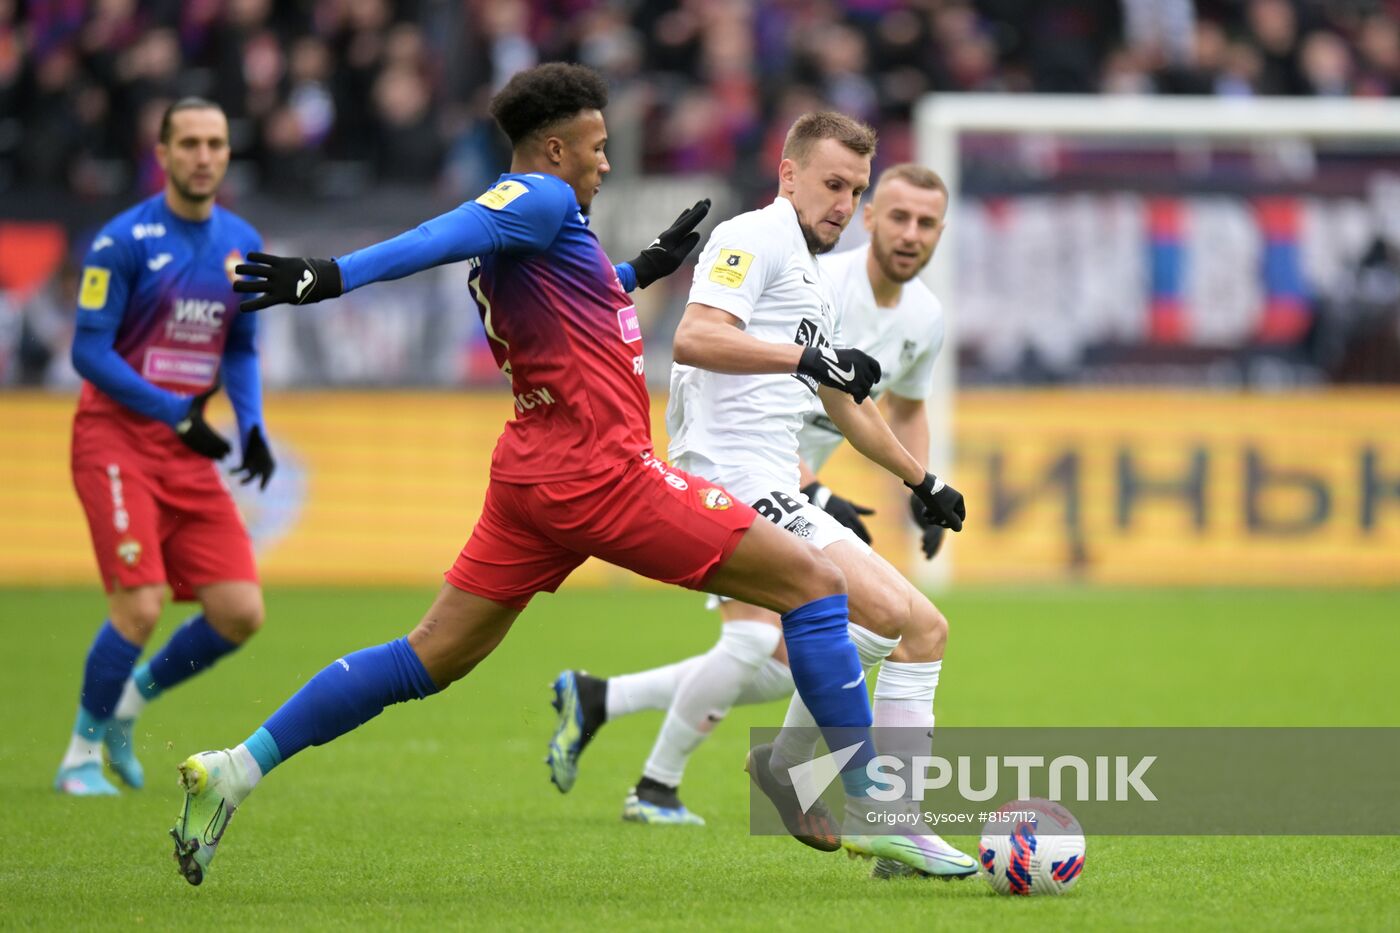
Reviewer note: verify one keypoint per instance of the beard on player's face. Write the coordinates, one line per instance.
(822, 234)
(901, 266)
(815, 244)
(186, 190)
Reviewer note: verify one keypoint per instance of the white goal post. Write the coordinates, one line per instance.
(942, 120)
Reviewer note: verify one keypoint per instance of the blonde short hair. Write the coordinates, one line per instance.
(917, 175)
(813, 127)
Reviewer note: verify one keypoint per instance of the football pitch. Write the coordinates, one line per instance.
(441, 814)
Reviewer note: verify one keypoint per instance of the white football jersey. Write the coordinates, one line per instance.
(905, 339)
(757, 267)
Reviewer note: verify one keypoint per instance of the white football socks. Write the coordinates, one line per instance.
(653, 689)
(797, 743)
(247, 773)
(131, 704)
(82, 750)
(904, 706)
(772, 681)
(707, 695)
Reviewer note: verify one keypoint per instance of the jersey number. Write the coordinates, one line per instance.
(774, 513)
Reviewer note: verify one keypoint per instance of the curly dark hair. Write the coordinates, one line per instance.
(539, 97)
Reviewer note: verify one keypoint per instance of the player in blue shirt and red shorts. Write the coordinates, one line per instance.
(158, 328)
(573, 474)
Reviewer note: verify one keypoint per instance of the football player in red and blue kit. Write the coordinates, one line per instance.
(573, 474)
(158, 327)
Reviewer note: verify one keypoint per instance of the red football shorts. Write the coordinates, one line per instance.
(644, 515)
(171, 521)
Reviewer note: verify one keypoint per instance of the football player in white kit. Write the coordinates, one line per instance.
(758, 279)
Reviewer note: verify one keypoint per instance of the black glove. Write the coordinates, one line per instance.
(286, 280)
(257, 459)
(942, 502)
(931, 533)
(195, 432)
(847, 369)
(668, 251)
(843, 510)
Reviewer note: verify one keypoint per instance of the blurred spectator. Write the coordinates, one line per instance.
(1273, 31)
(1379, 51)
(46, 325)
(1326, 65)
(409, 147)
(327, 96)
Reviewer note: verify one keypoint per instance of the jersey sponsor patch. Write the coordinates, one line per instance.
(188, 367)
(731, 267)
(800, 527)
(93, 294)
(501, 195)
(628, 324)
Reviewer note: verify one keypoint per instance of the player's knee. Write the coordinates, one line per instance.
(926, 635)
(820, 576)
(136, 613)
(250, 620)
(883, 611)
(237, 619)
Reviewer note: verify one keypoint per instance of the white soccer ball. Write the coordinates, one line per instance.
(1031, 847)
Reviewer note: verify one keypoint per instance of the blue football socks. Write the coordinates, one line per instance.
(826, 670)
(343, 696)
(194, 647)
(109, 663)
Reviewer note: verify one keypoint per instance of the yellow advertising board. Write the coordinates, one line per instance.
(1199, 488)
(1105, 487)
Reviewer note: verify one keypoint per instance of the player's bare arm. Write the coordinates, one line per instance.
(709, 338)
(908, 419)
(713, 339)
(866, 429)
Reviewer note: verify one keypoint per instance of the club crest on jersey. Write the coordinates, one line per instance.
(129, 551)
(717, 500)
(731, 267)
(906, 352)
(231, 262)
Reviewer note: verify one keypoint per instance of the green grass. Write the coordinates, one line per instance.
(440, 813)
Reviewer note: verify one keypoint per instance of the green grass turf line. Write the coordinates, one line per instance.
(440, 814)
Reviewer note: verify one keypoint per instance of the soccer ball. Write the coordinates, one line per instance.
(1030, 847)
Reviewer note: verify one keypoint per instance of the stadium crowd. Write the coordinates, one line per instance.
(334, 96)
(330, 100)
